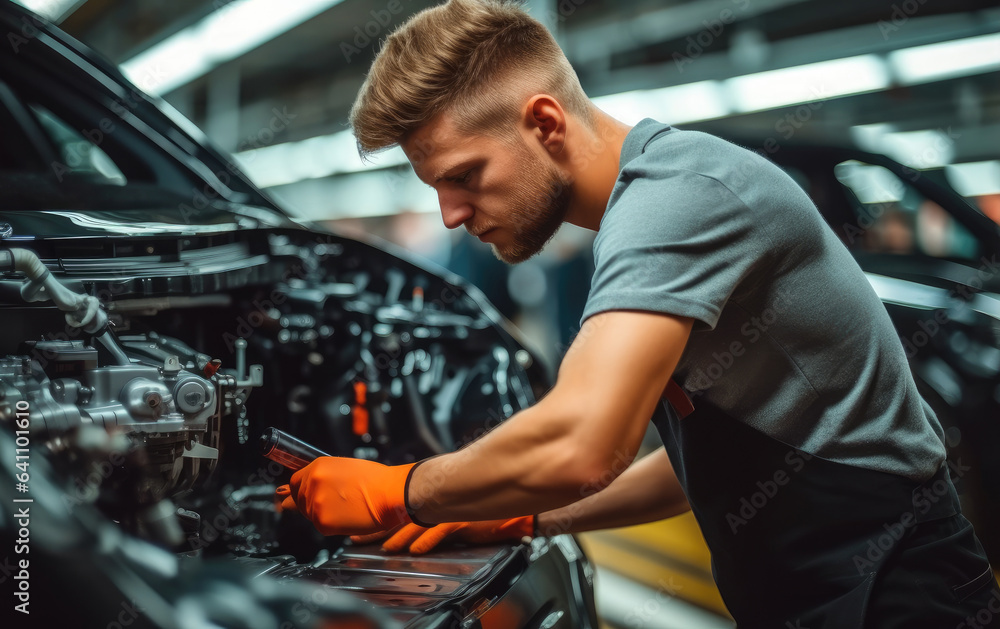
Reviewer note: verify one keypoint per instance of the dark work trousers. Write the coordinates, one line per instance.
(802, 542)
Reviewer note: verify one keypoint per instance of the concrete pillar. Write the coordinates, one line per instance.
(222, 106)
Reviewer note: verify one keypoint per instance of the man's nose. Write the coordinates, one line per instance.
(455, 210)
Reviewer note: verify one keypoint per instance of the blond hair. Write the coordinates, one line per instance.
(477, 59)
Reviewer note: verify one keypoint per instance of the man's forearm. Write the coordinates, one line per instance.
(524, 466)
(646, 492)
(583, 434)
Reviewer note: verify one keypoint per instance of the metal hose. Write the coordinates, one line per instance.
(420, 419)
(82, 311)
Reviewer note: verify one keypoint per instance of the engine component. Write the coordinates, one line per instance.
(82, 311)
(175, 413)
(173, 410)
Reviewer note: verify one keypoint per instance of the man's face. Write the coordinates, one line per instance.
(505, 194)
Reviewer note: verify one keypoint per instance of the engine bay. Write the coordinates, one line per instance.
(147, 417)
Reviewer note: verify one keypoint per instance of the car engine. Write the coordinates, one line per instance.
(137, 376)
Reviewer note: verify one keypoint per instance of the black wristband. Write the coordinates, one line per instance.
(406, 498)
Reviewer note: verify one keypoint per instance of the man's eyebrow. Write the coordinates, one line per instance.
(444, 172)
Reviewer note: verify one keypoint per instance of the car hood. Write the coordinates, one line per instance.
(19, 225)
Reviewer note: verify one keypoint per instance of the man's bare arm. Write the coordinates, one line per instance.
(579, 437)
(647, 491)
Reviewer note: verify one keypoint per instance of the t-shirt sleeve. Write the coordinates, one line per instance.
(676, 242)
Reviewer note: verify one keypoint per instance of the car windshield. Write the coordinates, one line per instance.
(75, 145)
(894, 217)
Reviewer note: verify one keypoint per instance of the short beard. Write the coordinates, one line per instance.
(541, 201)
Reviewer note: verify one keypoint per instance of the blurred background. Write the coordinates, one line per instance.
(819, 87)
(272, 82)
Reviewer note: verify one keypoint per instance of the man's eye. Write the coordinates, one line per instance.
(463, 178)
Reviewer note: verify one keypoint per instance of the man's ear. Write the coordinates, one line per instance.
(545, 121)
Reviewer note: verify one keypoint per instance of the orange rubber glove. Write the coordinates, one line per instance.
(343, 496)
(421, 539)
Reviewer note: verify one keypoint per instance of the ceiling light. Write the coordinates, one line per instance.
(946, 60)
(680, 103)
(807, 83)
(54, 11)
(227, 33)
(974, 179)
(321, 156)
(925, 148)
(871, 184)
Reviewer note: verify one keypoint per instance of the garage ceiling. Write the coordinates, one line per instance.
(313, 71)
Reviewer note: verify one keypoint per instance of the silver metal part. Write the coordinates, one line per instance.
(192, 395)
(174, 412)
(146, 398)
(201, 451)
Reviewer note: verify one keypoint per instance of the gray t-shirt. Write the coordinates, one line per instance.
(789, 336)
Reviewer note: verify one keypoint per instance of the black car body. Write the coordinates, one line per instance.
(172, 315)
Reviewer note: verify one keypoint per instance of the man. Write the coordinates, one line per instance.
(813, 466)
